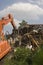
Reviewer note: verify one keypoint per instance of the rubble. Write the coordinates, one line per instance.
(28, 35)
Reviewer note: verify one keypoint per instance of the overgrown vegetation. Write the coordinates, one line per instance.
(23, 56)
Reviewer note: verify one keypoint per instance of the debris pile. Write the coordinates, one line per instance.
(28, 36)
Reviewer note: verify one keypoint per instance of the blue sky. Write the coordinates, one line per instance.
(29, 10)
(5, 3)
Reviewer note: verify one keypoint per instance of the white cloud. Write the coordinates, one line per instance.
(38, 2)
(22, 11)
(16, 23)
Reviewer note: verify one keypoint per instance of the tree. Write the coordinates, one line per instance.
(23, 27)
(23, 23)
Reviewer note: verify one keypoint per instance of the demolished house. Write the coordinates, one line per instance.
(28, 35)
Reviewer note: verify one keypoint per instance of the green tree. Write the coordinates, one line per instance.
(23, 23)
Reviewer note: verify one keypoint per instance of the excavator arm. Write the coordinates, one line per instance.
(7, 19)
(4, 46)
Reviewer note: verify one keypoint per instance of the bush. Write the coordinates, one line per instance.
(38, 57)
(22, 56)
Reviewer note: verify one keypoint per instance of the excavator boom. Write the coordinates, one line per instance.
(6, 20)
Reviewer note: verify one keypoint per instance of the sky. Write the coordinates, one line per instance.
(28, 10)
